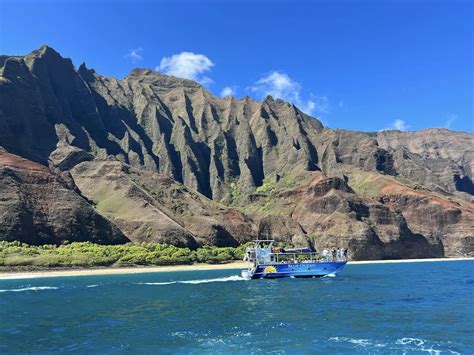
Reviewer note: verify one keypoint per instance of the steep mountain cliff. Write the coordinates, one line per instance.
(39, 206)
(165, 160)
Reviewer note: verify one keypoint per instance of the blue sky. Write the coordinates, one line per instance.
(361, 65)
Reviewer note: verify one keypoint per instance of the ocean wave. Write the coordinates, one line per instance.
(402, 344)
(417, 344)
(195, 282)
(91, 286)
(358, 342)
(37, 288)
(183, 334)
(410, 341)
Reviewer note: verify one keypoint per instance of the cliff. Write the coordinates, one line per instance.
(165, 160)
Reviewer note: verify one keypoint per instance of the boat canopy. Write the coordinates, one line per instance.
(300, 250)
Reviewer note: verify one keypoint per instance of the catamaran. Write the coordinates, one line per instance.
(268, 262)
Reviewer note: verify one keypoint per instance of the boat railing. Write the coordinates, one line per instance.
(293, 258)
(269, 255)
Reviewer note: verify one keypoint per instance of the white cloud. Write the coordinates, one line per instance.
(321, 104)
(135, 54)
(398, 124)
(228, 91)
(450, 119)
(279, 85)
(308, 107)
(187, 65)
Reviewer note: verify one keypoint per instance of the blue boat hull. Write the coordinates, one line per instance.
(298, 270)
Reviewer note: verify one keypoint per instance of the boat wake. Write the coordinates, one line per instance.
(37, 288)
(195, 282)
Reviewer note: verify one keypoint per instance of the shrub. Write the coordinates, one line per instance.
(87, 254)
(18, 261)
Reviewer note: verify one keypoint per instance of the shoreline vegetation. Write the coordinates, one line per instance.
(25, 257)
(19, 260)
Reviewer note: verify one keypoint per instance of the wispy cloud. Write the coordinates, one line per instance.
(228, 91)
(398, 124)
(135, 55)
(322, 105)
(451, 117)
(279, 85)
(187, 65)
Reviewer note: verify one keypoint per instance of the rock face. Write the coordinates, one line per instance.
(152, 121)
(38, 207)
(167, 161)
(151, 207)
(371, 229)
(435, 158)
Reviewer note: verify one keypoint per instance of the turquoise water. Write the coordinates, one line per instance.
(378, 308)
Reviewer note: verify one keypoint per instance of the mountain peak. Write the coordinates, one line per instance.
(48, 55)
(46, 51)
(161, 80)
(141, 72)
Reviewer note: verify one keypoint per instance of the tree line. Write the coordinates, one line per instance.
(20, 256)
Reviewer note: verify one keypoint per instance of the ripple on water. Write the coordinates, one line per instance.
(407, 344)
(367, 308)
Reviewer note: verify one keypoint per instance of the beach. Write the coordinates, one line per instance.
(173, 268)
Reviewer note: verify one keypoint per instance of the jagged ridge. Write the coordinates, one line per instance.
(235, 152)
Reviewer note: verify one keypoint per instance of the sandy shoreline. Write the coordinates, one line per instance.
(194, 267)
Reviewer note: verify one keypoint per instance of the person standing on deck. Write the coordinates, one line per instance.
(333, 254)
(325, 254)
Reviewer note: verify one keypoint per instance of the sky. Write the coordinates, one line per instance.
(363, 65)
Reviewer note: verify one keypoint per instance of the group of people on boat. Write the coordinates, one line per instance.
(339, 254)
(263, 254)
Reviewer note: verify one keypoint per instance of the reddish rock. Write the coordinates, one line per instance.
(38, 207)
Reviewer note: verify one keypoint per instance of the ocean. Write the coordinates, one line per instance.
(420, 307)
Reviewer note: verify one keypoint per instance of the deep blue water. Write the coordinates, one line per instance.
(378, 308)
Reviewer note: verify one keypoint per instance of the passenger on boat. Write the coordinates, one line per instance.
(345, 254)
(334, 255)
(325, 254)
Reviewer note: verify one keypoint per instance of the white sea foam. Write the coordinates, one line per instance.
(330, 275)
(18, 277)
(183, 334)
(403, 344)
(358, 342)
(195, 282)
(219, 279)
(37, 288)
(91, 286)
(410, 341)
(421, 345)
(157, 283)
